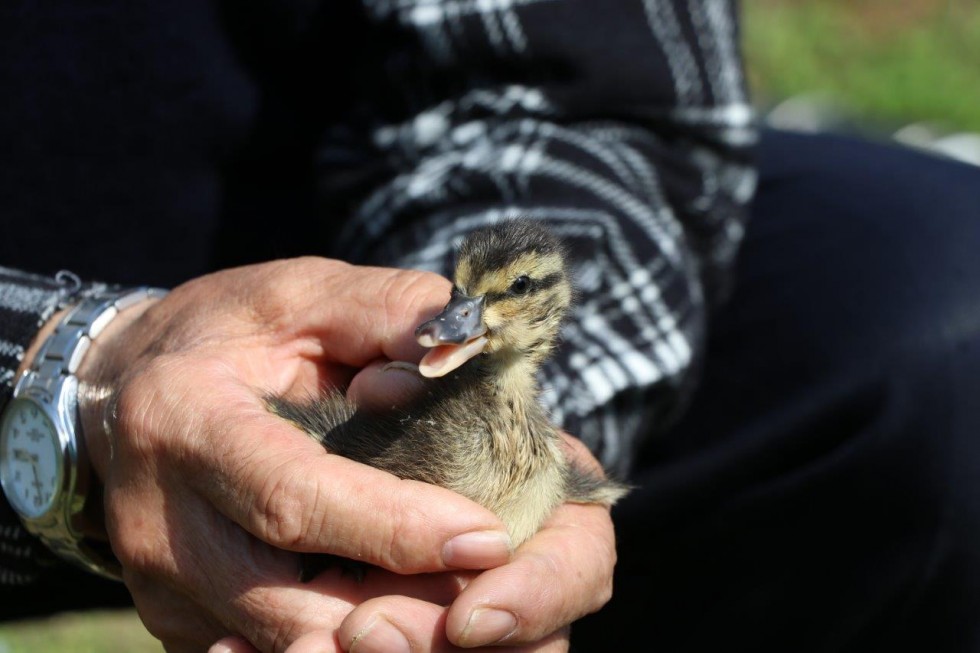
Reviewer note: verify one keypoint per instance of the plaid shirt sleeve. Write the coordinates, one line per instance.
(623, 124)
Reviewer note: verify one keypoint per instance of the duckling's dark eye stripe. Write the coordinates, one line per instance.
(495, 296)
(535, 285)
(546, 282)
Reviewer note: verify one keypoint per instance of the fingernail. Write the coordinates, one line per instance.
(488, 626)
(402, 367)
(220, 647)
(379, 636)
(477, 550)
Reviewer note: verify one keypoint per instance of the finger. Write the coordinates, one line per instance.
(396, 624)
(233, 645)
(297, 497)
(275, 612)
(562, 573)
(278, 612)
(397, 302)
(357, 313)
(318, 641)
(229, 582)
(440, 588)
(383, 386)
(281, 486)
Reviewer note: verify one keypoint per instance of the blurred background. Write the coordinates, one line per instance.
(885, 69)
(906, 69)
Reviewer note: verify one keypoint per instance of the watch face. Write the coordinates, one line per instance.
(30, 458)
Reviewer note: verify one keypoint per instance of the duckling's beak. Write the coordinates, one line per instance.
(456, 335)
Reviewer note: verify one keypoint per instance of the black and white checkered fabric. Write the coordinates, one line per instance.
(626, 130)
(623, 124)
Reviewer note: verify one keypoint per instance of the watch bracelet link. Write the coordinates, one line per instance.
(59, 356)
(64, 349)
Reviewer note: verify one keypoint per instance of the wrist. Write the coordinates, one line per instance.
(105, 362)
(94, 392)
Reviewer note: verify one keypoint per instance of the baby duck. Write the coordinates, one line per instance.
(477, 428)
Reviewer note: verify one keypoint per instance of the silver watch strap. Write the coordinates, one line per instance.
(60, 356)
(64, 350)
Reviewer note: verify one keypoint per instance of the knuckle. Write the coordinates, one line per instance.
(602, 596)
(399, 539)
(391, 542)
(411, 287)
(601, 581)
(279, 513)
(600, 577)
(285, 633)
(605, 593)
(546, 605)
(273, 289)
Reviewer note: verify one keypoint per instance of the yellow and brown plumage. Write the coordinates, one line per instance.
(478, 428)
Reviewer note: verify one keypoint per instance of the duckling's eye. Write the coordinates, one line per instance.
(521, 285)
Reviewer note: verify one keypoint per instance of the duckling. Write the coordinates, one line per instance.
(478, 427)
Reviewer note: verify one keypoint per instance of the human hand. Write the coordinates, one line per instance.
(208, 495)
(562, 573)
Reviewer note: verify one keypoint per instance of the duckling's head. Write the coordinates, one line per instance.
(511, 291)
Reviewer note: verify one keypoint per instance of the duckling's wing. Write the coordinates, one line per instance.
(379, 439)
(318, 416)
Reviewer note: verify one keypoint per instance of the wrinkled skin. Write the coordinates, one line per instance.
(209, 497)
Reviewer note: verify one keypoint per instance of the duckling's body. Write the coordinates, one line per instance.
(478, 429)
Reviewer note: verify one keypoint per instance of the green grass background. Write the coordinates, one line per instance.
(96, 632)
(889, 61)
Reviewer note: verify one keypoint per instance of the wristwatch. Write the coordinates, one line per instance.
(44, 469)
